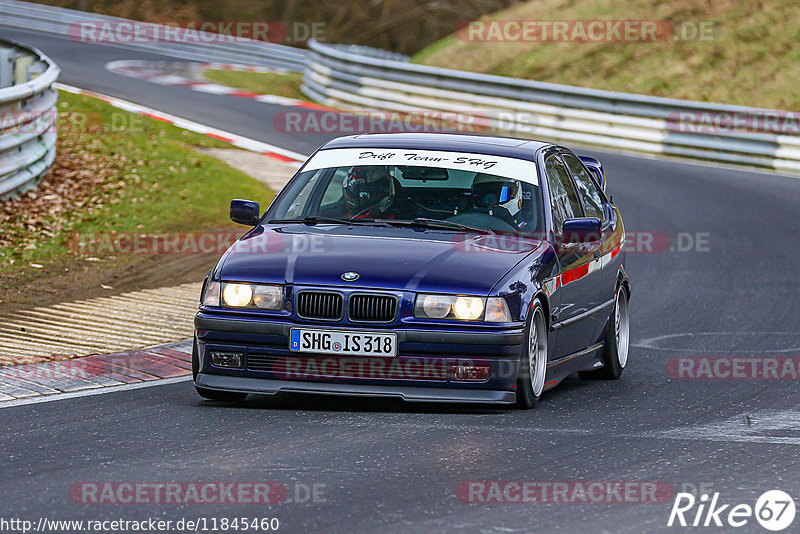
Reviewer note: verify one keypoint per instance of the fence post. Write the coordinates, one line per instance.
(22, 69)
(6, 67)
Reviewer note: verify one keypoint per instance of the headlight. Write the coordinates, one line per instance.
(268, 297)
(211, 296)
(468, 308)
(238, 295)
(492, 310)
(436, 306)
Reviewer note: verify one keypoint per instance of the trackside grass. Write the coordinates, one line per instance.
(269, 83)
(115, 172)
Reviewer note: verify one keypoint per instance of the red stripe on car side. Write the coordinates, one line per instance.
(574, 274)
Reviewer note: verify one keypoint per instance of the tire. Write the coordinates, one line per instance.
(616, 341)
(212, 394)
(533, 360)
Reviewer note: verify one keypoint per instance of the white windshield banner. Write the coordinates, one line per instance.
(518, 169)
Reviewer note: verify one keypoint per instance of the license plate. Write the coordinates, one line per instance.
(339, 342)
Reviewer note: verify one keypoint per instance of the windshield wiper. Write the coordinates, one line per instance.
(420, 222)
(312, 220)
(423, 222)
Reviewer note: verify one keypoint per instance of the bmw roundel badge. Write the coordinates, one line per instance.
(349, 276)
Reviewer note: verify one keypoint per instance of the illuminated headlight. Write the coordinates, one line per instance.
(493, 309)
(468, 308)
(238, 295)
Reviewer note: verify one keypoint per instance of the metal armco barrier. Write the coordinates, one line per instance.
(27, 117)
(341, 76)
(363, 78)
(68, 22)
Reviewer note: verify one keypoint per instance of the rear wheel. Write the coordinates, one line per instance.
(615, 342)
(533, 361)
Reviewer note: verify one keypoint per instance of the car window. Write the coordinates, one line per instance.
(563, 198)
(298, 199)
(586, 188)
(408, 192)
(333, 192)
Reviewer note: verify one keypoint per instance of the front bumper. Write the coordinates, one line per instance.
(422, 371)
(407, 393)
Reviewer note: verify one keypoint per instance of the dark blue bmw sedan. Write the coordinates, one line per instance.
(427, 267)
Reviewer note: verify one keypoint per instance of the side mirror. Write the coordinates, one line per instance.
(596, 168)
(245, 211)
(582, 230)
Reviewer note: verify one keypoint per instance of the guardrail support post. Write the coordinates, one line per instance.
(22, 69)
(6, 67)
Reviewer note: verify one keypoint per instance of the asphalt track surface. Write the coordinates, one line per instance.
(390, 466)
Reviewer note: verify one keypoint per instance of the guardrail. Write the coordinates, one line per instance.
(27, 117)
(151, 37)
(358, 77)
(341, 76)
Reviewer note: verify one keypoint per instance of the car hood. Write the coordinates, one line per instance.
(386, 258)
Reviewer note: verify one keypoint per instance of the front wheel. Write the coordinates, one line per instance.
(615, 342)
(533, 361)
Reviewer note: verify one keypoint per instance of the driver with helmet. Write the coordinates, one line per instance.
(369, 191)
(501, 197)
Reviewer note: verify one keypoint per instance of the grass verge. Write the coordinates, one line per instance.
(268, 83)
(744, 58)
(114, 172)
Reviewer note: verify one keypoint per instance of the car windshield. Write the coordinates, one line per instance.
(465, 199)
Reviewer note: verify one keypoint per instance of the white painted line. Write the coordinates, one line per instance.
(214, 88)
(279, 100)
(151, 72)
(166, 79)
(92, 392)
(234, 139)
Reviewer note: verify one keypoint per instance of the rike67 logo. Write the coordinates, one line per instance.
(774, 510)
